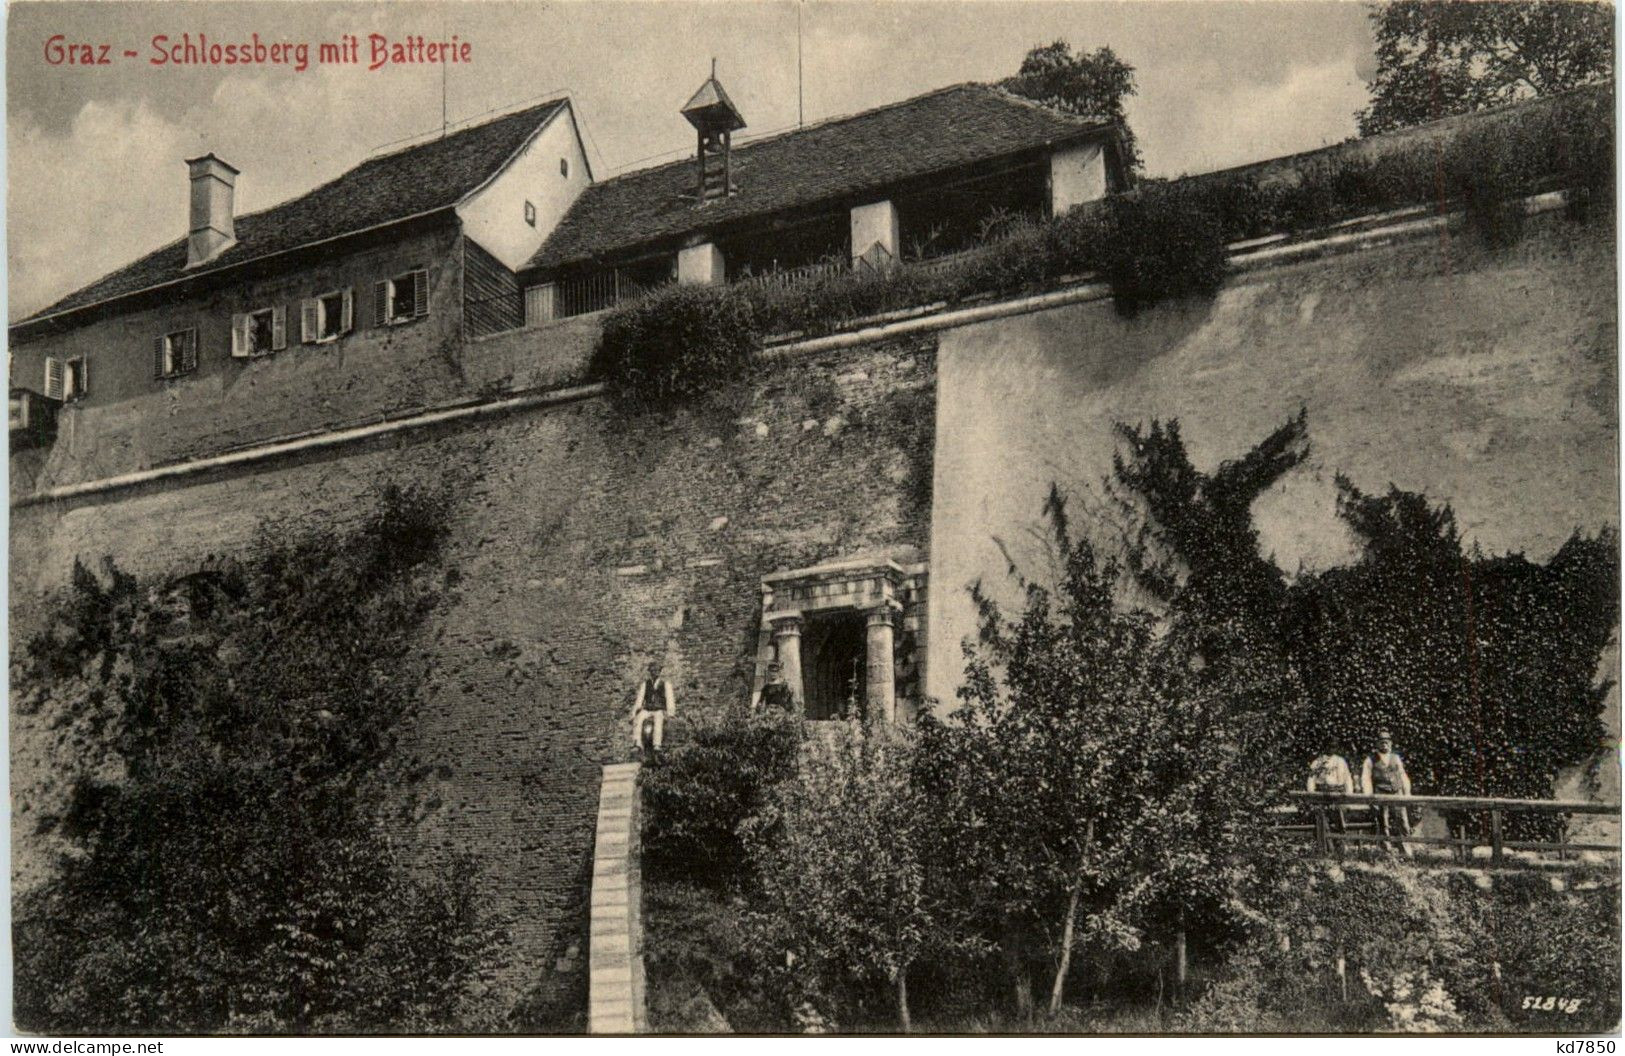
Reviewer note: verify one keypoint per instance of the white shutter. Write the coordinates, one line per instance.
(53, 378)
(380, 304)
(279, 328)
(188, 352)
(539, 303)
(309, 321)
(348, 318)
(160, 362)
(239, 335)
(420, 294)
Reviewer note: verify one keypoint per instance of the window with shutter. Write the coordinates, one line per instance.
(53, 378)
(262, 332)
(75, 379)
(330, 315)
(176, 353)
(403, 298)
(279, 328)
(239, 335)
(309, 324)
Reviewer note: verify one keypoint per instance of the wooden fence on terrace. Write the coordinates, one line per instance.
(1336, 821)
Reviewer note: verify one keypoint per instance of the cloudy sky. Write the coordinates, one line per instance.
(94, 153)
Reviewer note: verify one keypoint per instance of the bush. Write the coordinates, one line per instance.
(1423, 951)
(228, 873)
(677, 343)
(1162, 240)
(1158, 242)
(699, 795)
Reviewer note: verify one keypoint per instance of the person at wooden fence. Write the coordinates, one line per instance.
(1383, 774)
(1329, 772)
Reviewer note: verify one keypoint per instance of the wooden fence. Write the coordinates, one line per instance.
(1338, 820)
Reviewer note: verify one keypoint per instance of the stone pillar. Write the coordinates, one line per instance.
(701, 265)
(875, 224)
(881, 680)
(787, 648)
(1076, 175)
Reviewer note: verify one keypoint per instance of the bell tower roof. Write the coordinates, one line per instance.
(710, 109)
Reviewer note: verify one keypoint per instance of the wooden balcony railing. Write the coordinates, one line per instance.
(1338, 820)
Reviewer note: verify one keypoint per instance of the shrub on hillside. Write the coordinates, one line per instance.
(227, 872)
(675, 344)
(703, 791)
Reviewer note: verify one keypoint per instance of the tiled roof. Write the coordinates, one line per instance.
(379, 191)
(939, 131)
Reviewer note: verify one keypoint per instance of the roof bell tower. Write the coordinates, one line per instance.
(715, 118)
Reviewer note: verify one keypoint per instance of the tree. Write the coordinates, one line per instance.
(840, 877)
(1092, 84)
(1100, 773)
(1441, 57)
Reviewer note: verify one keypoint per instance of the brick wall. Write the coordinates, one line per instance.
(584, 546)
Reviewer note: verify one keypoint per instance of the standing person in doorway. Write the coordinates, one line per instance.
(1383, 774)
(653, 703)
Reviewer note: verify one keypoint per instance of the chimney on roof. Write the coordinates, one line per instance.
(715, 118)
(211, 231)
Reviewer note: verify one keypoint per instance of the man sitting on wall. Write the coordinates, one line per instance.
(653, 703)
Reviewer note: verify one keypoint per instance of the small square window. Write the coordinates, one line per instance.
(175, 354)
(401, 299)
(530, 213)
(259, 333)
(564, 167)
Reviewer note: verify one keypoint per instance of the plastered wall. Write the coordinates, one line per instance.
(1484, 379)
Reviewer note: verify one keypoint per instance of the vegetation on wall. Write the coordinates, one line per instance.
(1087, 830)
(1483, 666)
(1436, 58)
(1162, 240)
(225, 869)
(677, 343)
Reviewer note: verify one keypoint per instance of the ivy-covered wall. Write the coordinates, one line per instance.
(584, 544)
(1484, 379)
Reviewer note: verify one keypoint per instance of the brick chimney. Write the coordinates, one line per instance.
(211, 232)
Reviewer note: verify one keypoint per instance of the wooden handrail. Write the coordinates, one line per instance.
(1468, 803)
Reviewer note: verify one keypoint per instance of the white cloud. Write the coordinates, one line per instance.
(83, 203)
(1182, 131)
(112, 187)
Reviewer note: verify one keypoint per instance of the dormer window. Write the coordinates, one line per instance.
(326, 318)
(564, 167)
(530, 213)
(401, 299)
